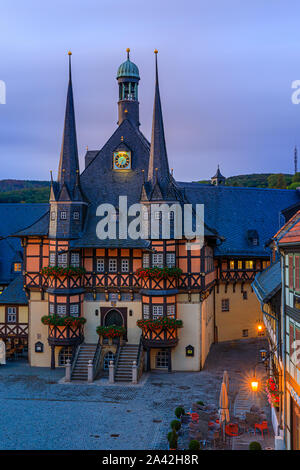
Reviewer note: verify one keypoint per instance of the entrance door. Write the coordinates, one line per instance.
(113, 317)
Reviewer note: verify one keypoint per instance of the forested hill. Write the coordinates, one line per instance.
(38, 191)
(263, 180)
(24, 191)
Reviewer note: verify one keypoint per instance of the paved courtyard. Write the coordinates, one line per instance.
(37, 412)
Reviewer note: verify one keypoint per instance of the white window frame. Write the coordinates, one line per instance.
(146, 260)
(172, 257)
(158, 260)
(74, 310)
(125, 265)
(76, 215)
(146, 311)
(52, 258)
(51, 309)
(61, 310)
(113, 265)
(157, 311)
(11, 314)
(62, 260)
(171, 310)
(75, 259)
(63, 215)
(100, 265)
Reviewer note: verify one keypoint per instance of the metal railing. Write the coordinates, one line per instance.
(140, 359)
(97, 360)
(74, 358)
(117, 357)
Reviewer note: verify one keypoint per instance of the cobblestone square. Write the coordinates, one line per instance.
(37, 412)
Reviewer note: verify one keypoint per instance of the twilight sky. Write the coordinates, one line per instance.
(225, 67)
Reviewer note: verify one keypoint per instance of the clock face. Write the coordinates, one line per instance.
(122, 160)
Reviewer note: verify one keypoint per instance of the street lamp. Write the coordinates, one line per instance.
(254, 384)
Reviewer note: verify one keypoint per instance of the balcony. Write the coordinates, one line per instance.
(66, 335)
(159, 336)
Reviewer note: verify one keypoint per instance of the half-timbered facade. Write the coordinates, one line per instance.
(78, 283)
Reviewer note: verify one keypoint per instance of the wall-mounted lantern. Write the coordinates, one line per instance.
(39, 347)
(190, 351)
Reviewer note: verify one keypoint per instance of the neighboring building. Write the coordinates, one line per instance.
(98, 279)
(218, 179)
(282, 320)
(13, 300)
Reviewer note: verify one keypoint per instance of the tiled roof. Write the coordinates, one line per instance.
(268, 282)
(290, 232)
(14, 217)
(233, 211)
(14, 292)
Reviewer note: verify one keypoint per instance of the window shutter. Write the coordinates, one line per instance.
(291, 273)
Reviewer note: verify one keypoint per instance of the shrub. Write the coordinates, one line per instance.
(200, 403)
(194, 445)
(175, 424)
(173, 438)
(254, 446)
(179, 411)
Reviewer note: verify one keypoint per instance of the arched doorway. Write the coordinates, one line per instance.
(113, 317)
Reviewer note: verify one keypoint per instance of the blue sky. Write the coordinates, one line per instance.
(226, 69)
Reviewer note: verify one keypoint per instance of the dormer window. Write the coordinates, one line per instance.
(76, 215)
(63, 215)
(17, 267)
(252, 237)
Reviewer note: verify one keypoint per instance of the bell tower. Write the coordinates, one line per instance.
(128, 79)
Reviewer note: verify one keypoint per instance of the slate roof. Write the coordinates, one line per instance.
(14, 292)
(268, 282)
(14, 217)
(233, 211)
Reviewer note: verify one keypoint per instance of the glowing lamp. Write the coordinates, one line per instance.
(254, 384)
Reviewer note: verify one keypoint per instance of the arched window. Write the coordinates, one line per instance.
(107, 358)
(65, 354)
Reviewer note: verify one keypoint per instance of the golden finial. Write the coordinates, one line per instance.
(128, 50)
(69, 53)
(155, 51)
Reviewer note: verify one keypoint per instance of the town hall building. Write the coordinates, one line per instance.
(153, 301)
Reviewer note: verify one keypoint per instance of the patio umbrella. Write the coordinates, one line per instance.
(2, 352)
(226, 380)
(223, 408)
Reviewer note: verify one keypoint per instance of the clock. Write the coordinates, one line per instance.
(122, 160)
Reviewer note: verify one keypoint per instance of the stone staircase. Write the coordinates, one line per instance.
(128, 354)
(86, 353)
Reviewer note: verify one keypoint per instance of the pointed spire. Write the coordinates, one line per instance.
(158, 152)
(68, 163)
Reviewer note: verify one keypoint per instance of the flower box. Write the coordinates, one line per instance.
(158, 273)
(161, 323)
(57, 271)
(111, 331)
(55, 320)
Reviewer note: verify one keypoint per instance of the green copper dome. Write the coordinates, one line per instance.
(128, 69)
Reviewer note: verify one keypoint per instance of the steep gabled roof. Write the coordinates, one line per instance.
(268, 282)
(233, 211)
(14, 292)
(290, 232)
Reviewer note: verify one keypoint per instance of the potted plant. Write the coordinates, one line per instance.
(255, 446)
(194, 445)
(179, 411)
(110, 332)
(175, 424)
(173, 440)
